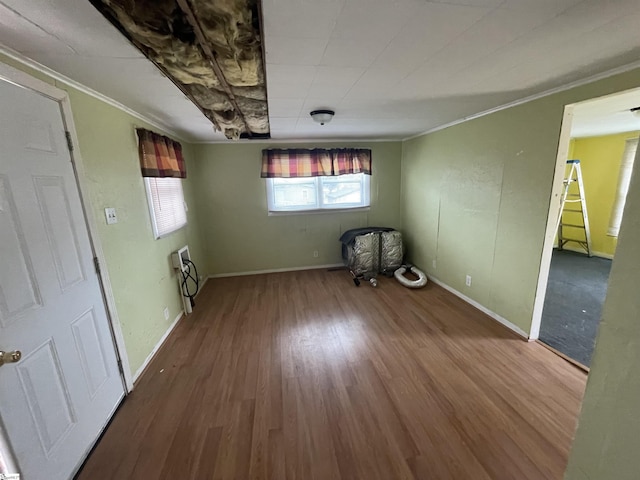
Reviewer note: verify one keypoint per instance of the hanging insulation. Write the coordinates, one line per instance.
(211, 50)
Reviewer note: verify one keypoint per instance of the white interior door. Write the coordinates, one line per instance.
(55, 401)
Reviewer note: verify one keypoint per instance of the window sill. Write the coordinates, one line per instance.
(167, 234)
(281, 213)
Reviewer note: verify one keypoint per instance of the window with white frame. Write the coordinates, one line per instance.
(166, 204)
(318, 193)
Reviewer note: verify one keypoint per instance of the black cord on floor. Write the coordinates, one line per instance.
(186, 275)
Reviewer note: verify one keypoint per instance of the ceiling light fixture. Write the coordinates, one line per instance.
(635, 111)
(322, 116)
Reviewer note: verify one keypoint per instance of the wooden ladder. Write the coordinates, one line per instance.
(574, 203)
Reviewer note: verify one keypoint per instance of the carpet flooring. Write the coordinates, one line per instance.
(575, 294)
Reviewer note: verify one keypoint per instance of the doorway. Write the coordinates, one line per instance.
(59, 368)
(598, 147)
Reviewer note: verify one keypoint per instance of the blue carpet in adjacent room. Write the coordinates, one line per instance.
(575, 294)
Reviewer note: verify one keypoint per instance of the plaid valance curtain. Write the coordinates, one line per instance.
(319, 162)
(160, 156)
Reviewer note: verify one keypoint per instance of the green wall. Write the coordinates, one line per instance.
(475, 198)
(607, 442)
(139, 266)
(241, 237)
(600, 159)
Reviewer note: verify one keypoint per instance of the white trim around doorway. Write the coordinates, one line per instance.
(552, 218)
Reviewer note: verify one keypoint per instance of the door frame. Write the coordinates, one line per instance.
(552, 219)
(554, 209)
(24, 80)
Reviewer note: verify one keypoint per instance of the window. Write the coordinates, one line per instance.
(318, 193)
(624, 179)
(166, 204)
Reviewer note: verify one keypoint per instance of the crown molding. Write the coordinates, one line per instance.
(32, 64)
(26, 61)
(578, 83)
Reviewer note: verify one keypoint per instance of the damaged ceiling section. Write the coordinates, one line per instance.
(212, 50)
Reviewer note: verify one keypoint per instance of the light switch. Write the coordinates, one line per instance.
(110, 214)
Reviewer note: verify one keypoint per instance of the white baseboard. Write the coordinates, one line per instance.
(164, 338)
(608, 256)
(482, 308)
(200, 287)
(275, 270)
(157, 347)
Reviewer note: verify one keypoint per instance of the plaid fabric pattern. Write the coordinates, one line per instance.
(160, 156)
(319, 162)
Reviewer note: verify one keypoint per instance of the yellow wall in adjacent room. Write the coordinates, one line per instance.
(600, 159)
(242, 237)
(139, 267)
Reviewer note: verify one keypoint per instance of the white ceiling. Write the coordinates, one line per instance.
(606, 115)
(389, 68)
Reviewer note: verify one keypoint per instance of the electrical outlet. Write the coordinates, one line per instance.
(434, 263)
(315, 254)
(166, 313)
(468, 281)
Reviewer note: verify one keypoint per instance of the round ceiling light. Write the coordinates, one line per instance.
(322, 116)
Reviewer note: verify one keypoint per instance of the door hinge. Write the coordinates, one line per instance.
(69, 141)
(96, 263)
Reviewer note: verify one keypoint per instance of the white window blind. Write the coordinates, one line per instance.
(624, 177)
(166, 205)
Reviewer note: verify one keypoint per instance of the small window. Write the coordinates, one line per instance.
(318, 193)
(166, 204)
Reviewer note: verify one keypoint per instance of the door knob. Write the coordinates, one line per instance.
(10, 357)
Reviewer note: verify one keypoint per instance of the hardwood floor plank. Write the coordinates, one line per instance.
(276, 452)
(443, 452)
(301, 375)
(206, 466)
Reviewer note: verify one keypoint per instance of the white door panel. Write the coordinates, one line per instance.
(57, 398)
(58, 221)
(18, 287)
(47, 395)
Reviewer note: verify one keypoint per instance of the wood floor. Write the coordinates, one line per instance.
(302, 375)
